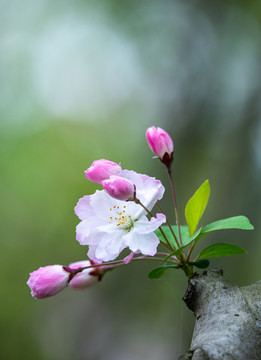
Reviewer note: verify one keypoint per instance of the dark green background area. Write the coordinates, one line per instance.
(82, 81)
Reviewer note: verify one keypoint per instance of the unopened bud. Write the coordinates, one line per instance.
(101, 170)
(160, 143)
(84, 278)
(119, 188)
(48, 281)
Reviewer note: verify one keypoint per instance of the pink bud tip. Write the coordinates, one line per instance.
(48, 281)
(101, 170)
(85, 278)
(78, 265)
(160, 142)
(119, 188)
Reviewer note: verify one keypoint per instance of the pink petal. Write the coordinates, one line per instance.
(79, 264)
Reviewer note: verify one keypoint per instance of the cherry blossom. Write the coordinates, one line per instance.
(109, 225)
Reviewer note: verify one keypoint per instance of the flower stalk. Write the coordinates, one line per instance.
(175, 203)
(137, 201)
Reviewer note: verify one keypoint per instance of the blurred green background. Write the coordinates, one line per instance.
(81, 81)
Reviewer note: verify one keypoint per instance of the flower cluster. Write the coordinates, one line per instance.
(113, 219)
(120, 217)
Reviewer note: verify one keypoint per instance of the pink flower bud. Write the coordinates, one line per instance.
(48, 281)
(119, 188)
(86, 277)
(101, 170)
(79, 265)
(160, 142)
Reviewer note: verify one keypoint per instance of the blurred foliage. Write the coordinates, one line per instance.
(81, 81)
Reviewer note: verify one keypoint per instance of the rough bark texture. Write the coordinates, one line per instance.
(228, 319)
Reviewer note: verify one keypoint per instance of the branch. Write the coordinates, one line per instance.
(228, 319)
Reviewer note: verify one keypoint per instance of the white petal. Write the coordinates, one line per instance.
(144, 243)
(86, 228)
(108, 228)
(83, 209)
(145, 226)
(116, 245)
(97, 250)
(91, 254)
(109, 247)
(101, 204)
(148, 189)
(134, 210)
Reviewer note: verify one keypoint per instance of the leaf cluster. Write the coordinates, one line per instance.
(191, 235)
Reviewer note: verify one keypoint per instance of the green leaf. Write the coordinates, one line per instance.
(159, 271)
(235, 222)
(186, 242)
(221, 249)
(184, 234)
(196, 206)
(201, 264)
(176, 252)
(187, 239)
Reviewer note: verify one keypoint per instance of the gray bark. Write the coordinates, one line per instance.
(228, 319)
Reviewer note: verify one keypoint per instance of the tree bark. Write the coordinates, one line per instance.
(228, 319)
